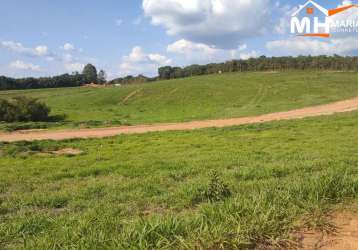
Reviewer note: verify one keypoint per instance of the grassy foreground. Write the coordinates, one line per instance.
(152, 191)
(197, 98)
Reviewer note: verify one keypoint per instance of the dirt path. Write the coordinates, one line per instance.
(344, 237)
(327, 109)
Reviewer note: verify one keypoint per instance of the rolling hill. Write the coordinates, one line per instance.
(196, 98)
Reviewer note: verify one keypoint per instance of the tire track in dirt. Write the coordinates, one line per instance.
(327, 109)
(135, 92)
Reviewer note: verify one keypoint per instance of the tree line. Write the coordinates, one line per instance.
(331, 63)
(132, 79)
(90, 75)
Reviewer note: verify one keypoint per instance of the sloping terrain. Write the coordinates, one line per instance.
(199, 98)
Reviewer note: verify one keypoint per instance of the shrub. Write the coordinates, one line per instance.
(216, 190)
(23, 109)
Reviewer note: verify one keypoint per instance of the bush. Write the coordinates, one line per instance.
(23, 109)
(216, 190)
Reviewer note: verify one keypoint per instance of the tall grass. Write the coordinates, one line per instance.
(261, 215)
(156, 191)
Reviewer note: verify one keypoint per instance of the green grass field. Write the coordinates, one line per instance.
(198, 98)
(241, 187)
(152, 191)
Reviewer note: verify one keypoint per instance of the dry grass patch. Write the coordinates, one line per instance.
(67, 151)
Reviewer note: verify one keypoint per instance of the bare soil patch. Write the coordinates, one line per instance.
(67, 151)
(64, 151)
(269, 72)
(343, 237)
(93, 85)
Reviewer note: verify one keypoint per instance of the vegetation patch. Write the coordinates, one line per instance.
(23, 109)
(37, 148)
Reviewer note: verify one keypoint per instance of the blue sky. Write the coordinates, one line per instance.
(47, 37)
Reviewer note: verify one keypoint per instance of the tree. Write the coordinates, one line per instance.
(90, 73)
(164, 72)
(102, 77)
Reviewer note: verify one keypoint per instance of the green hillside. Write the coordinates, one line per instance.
(197, 98)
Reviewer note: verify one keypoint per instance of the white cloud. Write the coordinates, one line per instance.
(119, 22)
(20, 65)
(71, 60)
(66, 58)
(218, 22)
(191, 49)
(41, 50)
(159, 59)
(306, 46)
(298, 46)
(248, 55)
(72, 63)
(14, 46)
(138, 62)
(68, 47)
(198, 53)
(17, 47)
(74, 67)
(242, 47)
(202, 53)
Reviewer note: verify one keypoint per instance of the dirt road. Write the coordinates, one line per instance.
(327, 109)
(344, 234)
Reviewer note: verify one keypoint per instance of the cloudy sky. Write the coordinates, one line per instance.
(47, 37)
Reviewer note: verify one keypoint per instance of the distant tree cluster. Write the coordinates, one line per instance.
(23, 109)
(336, 63)
(89, 75)
(132, 79)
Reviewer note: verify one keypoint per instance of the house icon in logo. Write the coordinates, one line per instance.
(311, 19)
(310, 7)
